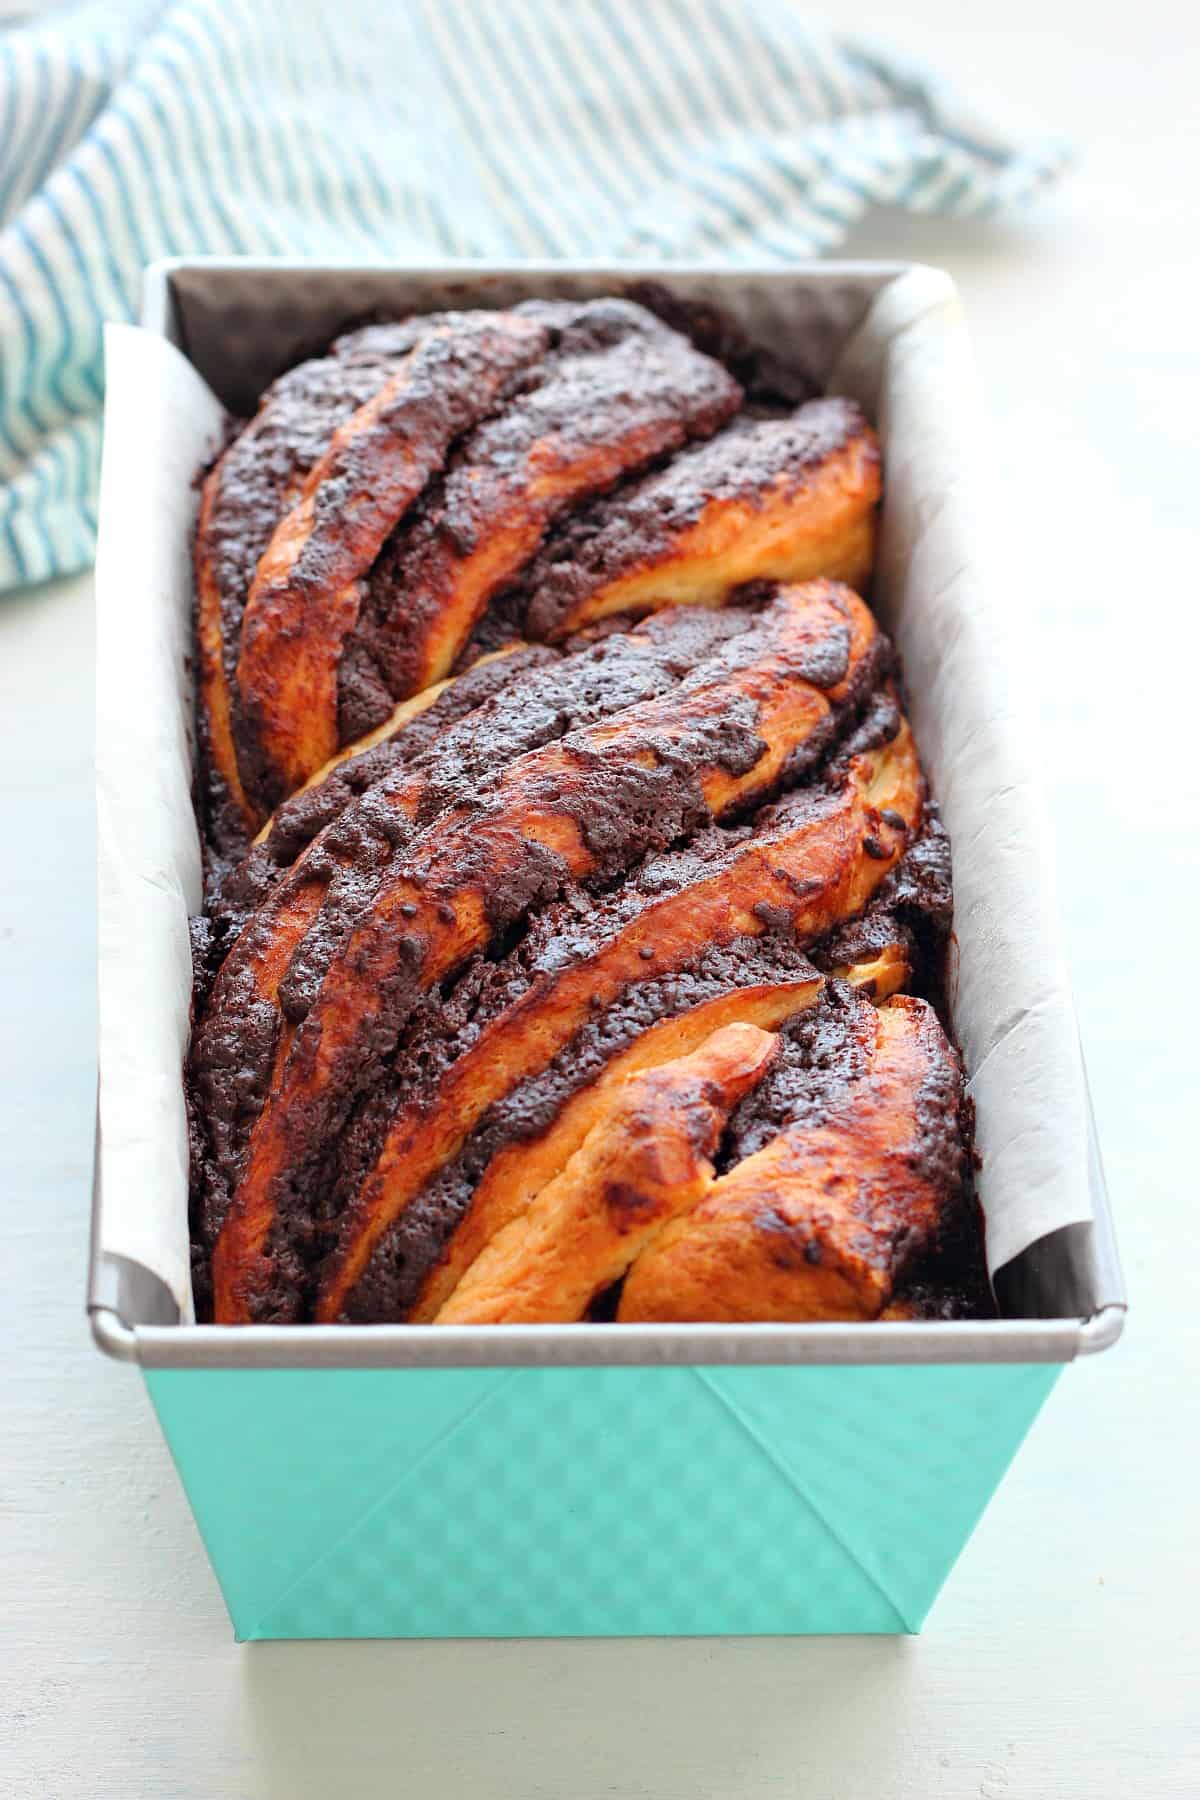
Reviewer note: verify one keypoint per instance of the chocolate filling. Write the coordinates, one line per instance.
(539, 707)
(263, 466)
(592, 681)
(821, 1055)
(769, 383)
(913, 907)
(614, 376)
(624, 814)
(561, 934)
(411, 1248)
(299, 820)
(647, 827)
(638, 523)
(235, 1046)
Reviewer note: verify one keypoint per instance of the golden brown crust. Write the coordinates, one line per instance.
(401, 716)
(883, 975)
(647, 1158)
(810, 872)
(426, 731)
(214, 708)
(519, 1171)
(771, 499)
(330, 848)
(819, 1224)
(516, 1001)
(612, 399)
(253, 483)
(305, 597)
(280, 893)
(517, 1175)
(260, 956)
(584, 806)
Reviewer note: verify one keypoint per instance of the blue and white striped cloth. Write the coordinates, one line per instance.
(411, 129)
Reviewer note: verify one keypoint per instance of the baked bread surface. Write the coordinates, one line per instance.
(569, 853)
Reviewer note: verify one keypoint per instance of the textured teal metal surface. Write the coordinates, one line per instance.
(589, 1501)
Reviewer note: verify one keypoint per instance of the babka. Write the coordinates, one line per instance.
(575, 903)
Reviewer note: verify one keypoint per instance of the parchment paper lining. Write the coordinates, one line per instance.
(910, 365)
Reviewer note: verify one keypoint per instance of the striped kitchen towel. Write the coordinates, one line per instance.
(414, 129)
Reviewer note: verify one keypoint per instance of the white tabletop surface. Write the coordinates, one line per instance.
(1062, 1660)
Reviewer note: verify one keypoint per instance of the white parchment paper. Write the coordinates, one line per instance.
(909, 363)
(161, 426)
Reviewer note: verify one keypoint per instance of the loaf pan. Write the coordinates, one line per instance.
(358, 1481)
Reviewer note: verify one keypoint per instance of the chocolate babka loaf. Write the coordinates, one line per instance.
(575, 901)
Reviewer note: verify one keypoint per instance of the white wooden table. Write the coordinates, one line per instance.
(1062, 1660)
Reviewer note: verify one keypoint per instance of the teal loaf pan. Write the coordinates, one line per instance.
(401, 1481)
(576, 1502)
